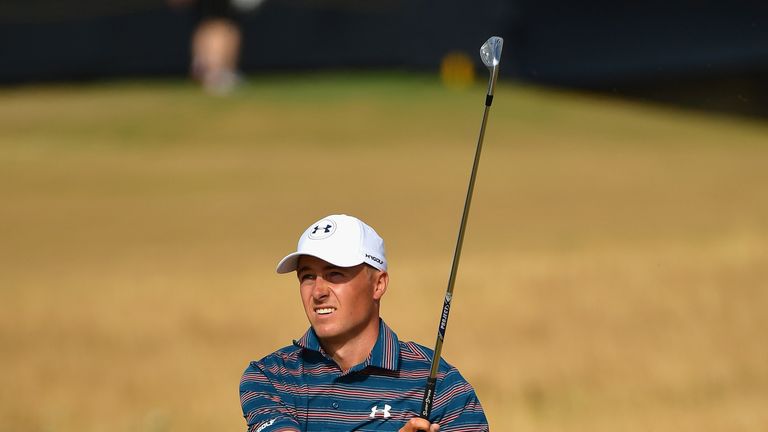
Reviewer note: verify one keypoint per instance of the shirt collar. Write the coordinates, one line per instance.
(385, 353)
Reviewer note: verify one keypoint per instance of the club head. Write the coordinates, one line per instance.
(490, 52)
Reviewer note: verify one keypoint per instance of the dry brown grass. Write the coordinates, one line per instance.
(614, 275)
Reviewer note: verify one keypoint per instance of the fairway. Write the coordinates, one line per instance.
(614, 275)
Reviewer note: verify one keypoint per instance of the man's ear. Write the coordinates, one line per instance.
(380, 283)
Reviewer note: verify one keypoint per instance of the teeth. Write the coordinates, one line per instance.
(324, 311)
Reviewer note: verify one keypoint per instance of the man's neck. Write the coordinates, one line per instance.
(353, 351)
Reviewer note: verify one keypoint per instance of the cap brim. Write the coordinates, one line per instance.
(291, 262)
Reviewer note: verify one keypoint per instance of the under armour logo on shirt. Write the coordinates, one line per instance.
(384, 412)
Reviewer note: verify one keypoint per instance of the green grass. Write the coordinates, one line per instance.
(613, 275)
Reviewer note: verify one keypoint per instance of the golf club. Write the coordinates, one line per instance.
(490, 53)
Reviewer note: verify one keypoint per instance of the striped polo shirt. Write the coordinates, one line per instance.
(300, 387)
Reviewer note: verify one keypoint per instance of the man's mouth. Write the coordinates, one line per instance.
(324, 311)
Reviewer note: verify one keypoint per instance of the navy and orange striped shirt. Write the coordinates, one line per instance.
(299, 387)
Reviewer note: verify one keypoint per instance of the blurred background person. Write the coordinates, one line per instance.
(216, 41)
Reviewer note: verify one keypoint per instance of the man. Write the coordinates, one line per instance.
(349, 371)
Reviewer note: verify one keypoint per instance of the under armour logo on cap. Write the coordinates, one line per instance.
(323, 229)
(385, 412)
(327, 228)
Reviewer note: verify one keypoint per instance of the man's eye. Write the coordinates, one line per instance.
(306, 277)
(335, 275)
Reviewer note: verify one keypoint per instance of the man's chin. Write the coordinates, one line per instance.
(325, 331)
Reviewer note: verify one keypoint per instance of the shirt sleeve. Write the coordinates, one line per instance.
(263, 408)
(457, 405)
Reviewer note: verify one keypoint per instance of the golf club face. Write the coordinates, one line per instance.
(490, 52)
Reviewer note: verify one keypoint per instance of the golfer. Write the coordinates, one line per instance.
(349, 371)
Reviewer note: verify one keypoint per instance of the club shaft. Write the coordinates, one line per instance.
(457, 252)
(429, 392)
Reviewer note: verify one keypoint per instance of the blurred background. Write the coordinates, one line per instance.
(158, 158)
(712, 55)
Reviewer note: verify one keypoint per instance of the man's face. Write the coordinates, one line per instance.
(339, 301)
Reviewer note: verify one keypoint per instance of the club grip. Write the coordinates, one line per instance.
(429, 397)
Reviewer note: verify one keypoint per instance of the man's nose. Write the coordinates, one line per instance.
(321, 289)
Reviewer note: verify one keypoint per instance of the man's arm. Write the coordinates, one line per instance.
(457, 405)
(263, 408)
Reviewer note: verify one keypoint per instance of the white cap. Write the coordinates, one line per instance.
(341, 240)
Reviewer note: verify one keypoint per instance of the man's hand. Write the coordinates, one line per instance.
(419, 424)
